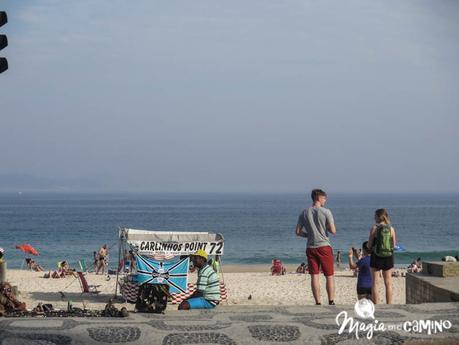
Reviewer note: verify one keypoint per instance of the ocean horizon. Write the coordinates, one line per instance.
(257, 227)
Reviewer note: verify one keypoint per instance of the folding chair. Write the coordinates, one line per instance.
(85, 287)
(24, 264)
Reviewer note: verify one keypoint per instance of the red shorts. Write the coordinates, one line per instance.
(320, 258)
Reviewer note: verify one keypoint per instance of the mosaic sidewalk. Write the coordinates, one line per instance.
(228, 325)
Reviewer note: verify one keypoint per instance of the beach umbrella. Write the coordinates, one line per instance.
(28, 249)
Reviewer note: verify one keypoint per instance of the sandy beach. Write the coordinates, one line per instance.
(241, 282)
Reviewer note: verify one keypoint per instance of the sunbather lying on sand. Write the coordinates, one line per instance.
(54, 274)
(63, 271)
(64, 268)
(32, 265)
(302, 268)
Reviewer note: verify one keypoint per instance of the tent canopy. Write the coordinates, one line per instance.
(146, 242)
(168, 236)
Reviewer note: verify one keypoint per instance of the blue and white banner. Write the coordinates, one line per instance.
(174, 273)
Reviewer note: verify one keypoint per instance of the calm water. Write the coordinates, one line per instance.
(256, 227)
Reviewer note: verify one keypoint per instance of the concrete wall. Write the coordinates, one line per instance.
(441, 268)
(425, 289)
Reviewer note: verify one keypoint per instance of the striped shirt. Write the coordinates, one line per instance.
(209, 284)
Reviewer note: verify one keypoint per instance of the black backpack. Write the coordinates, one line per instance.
(152, 298)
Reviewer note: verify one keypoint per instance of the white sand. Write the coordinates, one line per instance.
(290, 289)
(295, 289)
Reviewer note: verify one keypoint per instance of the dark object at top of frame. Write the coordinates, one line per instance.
(3, 18)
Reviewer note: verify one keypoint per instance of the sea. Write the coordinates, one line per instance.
(256, 227)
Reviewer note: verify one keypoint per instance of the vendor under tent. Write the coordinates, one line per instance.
(161, 259)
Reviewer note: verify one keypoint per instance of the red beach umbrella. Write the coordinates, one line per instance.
(27, 248)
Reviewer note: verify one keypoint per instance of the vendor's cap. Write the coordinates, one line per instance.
(2, 250)
(201, 253)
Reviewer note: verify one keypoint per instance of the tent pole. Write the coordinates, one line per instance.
(221, 269)
(118, 263)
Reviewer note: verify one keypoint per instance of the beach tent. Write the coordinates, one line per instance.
(171, 243)
(155, 252)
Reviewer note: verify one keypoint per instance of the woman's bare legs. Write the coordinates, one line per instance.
(387, 275)
(375, 275)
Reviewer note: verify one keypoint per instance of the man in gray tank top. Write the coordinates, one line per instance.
(314, 223)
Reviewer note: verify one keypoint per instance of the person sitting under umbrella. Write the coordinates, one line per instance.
(33, 265)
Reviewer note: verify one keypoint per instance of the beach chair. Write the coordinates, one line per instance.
(85, 287)
(24, 264)
(83, 267)
(278, 268)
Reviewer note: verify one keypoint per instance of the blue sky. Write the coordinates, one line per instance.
(270, 96)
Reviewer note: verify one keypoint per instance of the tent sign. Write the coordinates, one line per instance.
(177, 248)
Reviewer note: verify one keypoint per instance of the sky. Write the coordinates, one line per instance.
(235, 96)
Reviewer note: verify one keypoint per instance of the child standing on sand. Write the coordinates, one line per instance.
(364, 281)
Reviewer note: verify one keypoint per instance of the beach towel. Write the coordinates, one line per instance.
(173, 273)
